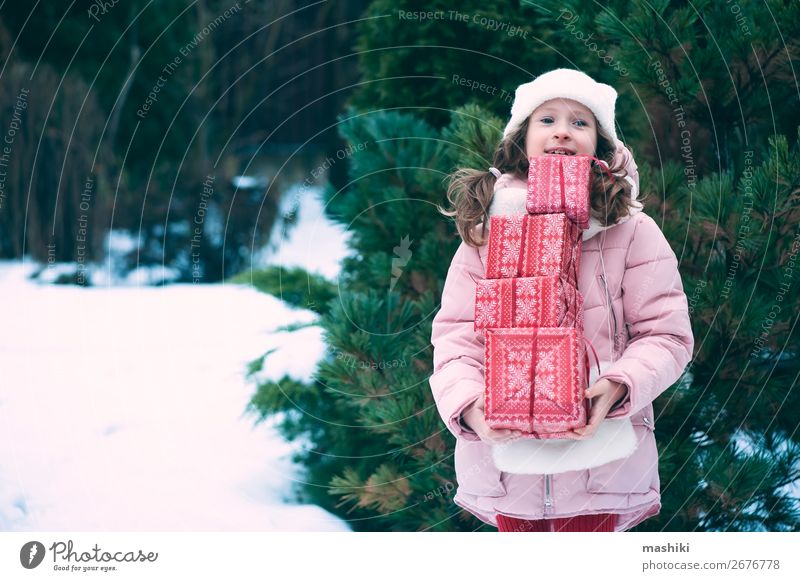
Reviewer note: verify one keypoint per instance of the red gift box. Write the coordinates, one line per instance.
(560, 183)
(526, 245)
(541, 301)
(535, 380)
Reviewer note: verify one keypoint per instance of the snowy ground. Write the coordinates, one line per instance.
(122, 408)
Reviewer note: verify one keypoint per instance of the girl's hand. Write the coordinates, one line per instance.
(473, 417)
(607, 393)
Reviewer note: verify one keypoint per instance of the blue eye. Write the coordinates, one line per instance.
(549, 121)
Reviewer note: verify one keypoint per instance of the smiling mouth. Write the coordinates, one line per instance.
(560, 151)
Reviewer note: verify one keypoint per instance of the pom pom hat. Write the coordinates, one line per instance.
(565, 84)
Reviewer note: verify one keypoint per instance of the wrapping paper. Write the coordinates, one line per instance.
(535, 380)
(527, 245)
(541, 301)
(560, 183)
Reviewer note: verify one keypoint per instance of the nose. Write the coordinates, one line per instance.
(561, 132)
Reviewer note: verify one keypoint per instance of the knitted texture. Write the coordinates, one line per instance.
(585, 523)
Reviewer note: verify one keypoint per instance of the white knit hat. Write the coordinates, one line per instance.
(565, 84)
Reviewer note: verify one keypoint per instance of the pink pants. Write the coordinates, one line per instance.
(587, 523)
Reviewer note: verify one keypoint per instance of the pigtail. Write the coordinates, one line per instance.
(611, 192)
(470, 191)
(470, 195)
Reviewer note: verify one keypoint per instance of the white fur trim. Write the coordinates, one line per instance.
(511, 202)
(634, 189)
(613, 440)
(508, 202)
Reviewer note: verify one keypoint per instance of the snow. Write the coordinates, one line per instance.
(315, 243)
(250, 182)
(122, 408)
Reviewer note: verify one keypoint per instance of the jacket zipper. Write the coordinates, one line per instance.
(611, 308)
(548, 501)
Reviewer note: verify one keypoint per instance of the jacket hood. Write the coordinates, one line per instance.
(510, 193)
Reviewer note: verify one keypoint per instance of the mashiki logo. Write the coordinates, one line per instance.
(31, 554)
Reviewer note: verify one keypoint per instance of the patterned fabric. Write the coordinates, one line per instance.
(542, 301)
(585, 523)
(527, 245)
(535, 380)
(560, 183)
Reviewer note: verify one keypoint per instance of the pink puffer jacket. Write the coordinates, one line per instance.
(636, 316)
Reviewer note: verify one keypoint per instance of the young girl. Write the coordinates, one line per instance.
(635, 316)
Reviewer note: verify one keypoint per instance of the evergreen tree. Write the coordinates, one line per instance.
(433, 56)
(699, 80)
(379, 455)
(697, 99)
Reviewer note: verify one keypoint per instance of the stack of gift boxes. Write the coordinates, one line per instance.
(529, 307)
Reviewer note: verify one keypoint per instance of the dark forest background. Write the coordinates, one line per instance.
(143, 101)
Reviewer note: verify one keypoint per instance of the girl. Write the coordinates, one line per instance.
(635, 316)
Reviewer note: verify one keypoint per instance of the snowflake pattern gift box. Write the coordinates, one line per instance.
(535, 379)
(560, 183)
(540, 301)
(527, 245)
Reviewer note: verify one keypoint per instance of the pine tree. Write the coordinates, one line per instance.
(694, 94)
(433, 56)
(726, 195)
(380, 450)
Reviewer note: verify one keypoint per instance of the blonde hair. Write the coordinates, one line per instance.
(470, 191)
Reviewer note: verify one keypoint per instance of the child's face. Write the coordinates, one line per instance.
(561, 123)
